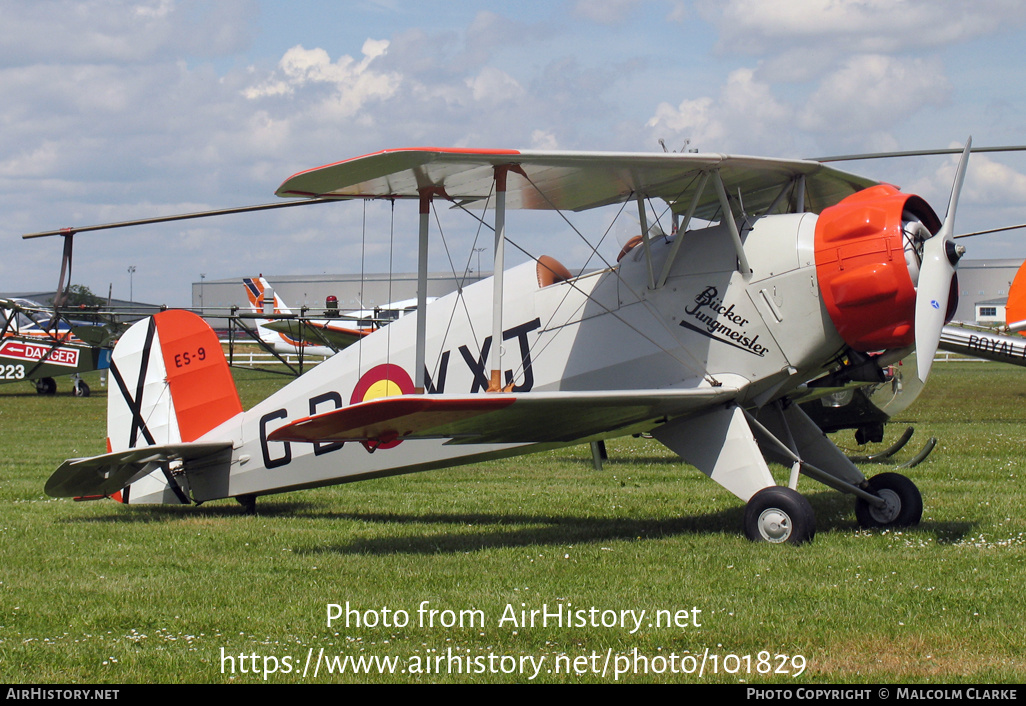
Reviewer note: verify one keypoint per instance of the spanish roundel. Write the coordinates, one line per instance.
(383, 380)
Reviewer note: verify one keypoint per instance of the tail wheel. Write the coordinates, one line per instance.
(777, 514)
(903, 505)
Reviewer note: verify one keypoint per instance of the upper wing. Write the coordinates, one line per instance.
(571, 180)
(532, 417)
(317, 333)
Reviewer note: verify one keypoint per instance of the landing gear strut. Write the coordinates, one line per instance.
(79, 388)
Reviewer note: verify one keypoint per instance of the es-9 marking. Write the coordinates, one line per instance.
(188, 357)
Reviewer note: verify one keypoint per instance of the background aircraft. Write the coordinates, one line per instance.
(702, 339)
(287, 332)
(37, 346)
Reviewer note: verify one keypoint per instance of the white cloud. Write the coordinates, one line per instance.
(96, 31)
(354, 82)
(987, 182)
(692, 118)
(859, 26)
(874, 92)
(802, 40)
(494, 86)
(991, 182)
(544, 140)
(607, 12)
(745, 116)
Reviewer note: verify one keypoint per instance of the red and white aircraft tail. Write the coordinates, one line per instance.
(263, 298)
(171, 385)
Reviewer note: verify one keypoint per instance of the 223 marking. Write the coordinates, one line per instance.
(188, 357)
(12, 372)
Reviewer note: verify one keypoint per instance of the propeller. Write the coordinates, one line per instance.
(940, 257)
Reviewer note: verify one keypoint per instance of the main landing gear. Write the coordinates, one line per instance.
(732, 446)
(779, 515)
(48, 386)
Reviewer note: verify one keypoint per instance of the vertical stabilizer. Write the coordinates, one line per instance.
(260, 294)
(172, 384)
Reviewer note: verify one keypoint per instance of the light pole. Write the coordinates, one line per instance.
(131, 278)
(479, 251)
(203, 276)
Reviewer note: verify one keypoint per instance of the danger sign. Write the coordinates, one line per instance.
(33, 352)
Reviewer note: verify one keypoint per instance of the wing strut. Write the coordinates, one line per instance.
(420, 371)
(643, 217)
(728, 218)
(419, 368)
(682, 229)
(501, 172)
(63, 286)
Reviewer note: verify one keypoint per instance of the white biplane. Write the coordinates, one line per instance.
(703, 339)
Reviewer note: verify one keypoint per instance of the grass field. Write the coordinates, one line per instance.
(103, 593)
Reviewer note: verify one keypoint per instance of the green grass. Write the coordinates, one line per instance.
(99, 592)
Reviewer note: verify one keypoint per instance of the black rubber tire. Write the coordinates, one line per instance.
(46, 386)
(80, 390)
(778, 514)
(904, 503)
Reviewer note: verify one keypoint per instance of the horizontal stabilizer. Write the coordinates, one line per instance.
(533, 417)
(109, 473)
(317, 333)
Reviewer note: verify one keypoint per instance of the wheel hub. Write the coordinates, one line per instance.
(774, 525)
(890, 509)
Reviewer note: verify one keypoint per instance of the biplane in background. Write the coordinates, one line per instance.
(778, 274)
(38, 345)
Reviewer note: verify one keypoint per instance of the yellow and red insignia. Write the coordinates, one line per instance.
(384, 380)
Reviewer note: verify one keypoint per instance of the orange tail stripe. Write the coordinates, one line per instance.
(201, 382)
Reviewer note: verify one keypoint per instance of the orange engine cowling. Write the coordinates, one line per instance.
(868, 250)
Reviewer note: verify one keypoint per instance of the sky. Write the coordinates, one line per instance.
(120, 110)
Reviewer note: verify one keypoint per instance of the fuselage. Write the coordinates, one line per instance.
(709, 324)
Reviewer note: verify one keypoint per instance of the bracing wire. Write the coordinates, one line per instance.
(536, 352)
(630, 289)
(461, 299)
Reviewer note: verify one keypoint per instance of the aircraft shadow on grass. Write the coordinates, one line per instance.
(474, 531)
